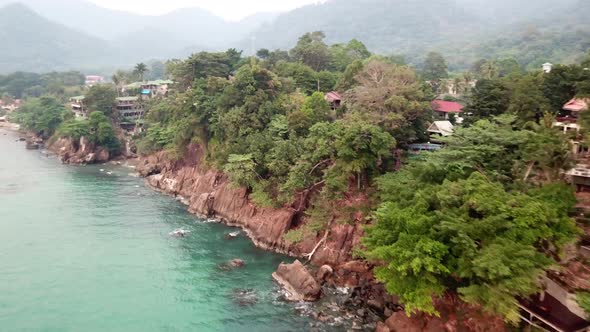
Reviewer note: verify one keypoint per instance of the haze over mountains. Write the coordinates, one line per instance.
(41, 35)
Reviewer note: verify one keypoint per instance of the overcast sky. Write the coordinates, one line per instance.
(228, 9)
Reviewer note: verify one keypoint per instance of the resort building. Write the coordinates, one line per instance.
(568, 117)
(77, 106)
(130, 112)
(149, 89)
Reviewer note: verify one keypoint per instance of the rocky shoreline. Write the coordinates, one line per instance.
(348, 294)
(367, 305)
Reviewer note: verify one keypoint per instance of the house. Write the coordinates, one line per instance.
(568, 117)
(444, 109)
(93, 80)
(150, 88)
(130, 113)
(334, 99)
(77, 106)
(441, 128)
(554, 309)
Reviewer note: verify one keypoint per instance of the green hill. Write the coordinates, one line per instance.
(33, 43)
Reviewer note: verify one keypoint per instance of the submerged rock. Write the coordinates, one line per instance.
(244, 297)
(298, 282)
(232, 264)
(179, 233)
(232, 235)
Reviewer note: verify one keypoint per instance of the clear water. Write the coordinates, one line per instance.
(82, 250)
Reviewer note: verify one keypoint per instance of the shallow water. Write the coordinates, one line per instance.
(83, 250)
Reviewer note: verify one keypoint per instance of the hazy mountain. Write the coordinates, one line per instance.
(504, 12)
(85, 17)
(194, 25)
(384, 25)
(463, 30)
(33, 43)
(64, 34)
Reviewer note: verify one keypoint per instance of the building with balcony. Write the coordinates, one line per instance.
(130, 112)
(78, 107)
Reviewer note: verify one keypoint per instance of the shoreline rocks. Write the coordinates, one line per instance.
(298, 282)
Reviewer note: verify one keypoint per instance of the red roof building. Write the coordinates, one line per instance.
(576, 105)
(334, 99)
(444, 108)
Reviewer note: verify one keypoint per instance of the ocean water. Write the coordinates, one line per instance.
(85, 250)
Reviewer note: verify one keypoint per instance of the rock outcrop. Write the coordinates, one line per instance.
(79, 152)
(298, 282)
(209, 194)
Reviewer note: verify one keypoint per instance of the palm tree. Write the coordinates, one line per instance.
(140, 69)
(119, 79)
(490, 70)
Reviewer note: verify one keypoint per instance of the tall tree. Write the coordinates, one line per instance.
(392, 97)
(435, 67)
(312, 51)
(101, 98)
(140, 69)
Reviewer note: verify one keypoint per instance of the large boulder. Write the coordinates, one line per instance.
(298, 282)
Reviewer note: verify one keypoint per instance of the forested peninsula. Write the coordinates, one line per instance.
(443, 200)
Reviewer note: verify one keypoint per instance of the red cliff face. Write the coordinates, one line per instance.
(209, 193)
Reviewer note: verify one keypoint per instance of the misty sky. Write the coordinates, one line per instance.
(228, 9)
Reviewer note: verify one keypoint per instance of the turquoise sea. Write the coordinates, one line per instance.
(88, 250)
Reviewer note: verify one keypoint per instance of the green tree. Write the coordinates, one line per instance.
(241, 170)
(527, 100)
(462, 220)
(312, 51)
(101, 98)
(489, 98)
(435, 67)
(41, 115)
(391, 97)
(263, 53)
(344, 54)
(140, 69)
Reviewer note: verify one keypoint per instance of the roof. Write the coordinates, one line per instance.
(333, 96)
(576, 105)
(137, 85)
(446, 106)
(444, 128)
(127, 99)
(78, 98)
(134, 85)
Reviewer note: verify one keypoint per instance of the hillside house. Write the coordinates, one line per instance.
(440, 129)
(93, 80)
(568, 117)
(334, 99)
(77, 106)
(554, 309)
(444, 109)
(130, 113)
(150, 88)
